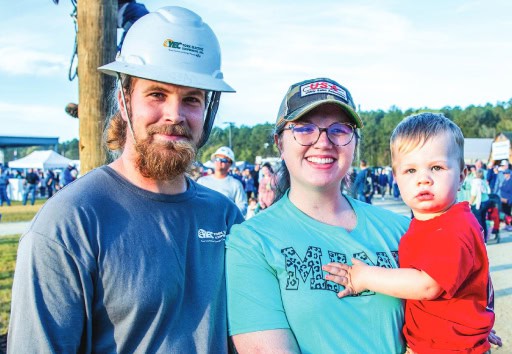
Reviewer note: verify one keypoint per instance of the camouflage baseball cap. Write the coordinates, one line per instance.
(304, 96)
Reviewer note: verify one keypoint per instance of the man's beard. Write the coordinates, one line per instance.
(165, 161)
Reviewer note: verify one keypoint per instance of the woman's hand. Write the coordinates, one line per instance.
(348, 276)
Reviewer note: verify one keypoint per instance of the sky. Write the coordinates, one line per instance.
(402, 53)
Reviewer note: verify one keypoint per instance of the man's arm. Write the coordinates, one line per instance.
(49, 306)
(403, 283)
(278, 341)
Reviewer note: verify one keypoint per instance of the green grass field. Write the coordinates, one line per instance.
(17, 212)
(8, 248)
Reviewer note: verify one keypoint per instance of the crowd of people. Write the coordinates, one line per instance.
(369, 182)
(155, 261)
(251, 189)
(488, 189)
(36, 183)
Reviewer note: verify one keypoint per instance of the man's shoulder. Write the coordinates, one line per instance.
(234, 180)
(211, 197)
(204, 179)
(204, 189)
(86, 185)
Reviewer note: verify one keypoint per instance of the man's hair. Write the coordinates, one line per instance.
(417, 130)
(114, 135)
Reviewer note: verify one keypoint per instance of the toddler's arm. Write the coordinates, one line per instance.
(404, 283)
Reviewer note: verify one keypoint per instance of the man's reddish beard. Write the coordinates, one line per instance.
(165, 161)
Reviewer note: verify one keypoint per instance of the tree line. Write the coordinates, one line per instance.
(248, 142)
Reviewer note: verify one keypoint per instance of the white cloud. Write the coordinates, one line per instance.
(37, 120)
(21, 61)
(386, 52)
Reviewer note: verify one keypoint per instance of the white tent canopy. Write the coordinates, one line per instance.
(46, 159)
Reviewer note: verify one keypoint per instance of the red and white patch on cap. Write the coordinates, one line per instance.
(323, 87)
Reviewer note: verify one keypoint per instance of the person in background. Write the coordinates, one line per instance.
(255, 173)
(492, 174)
(464, 193)
(196, 171)
(444, 268)
(120, 260)
(479, 199)
(267, 186)
(382, 180)
(128, 12)
(50, 182)
(31, 182)
(278, 299)
(69, 174)
(364, 183)
(493, 213)
(253, 208)
(505, 194)
(42, 185)
(248, 183)
(222, 182)
(235, 172)
(479, 165)
(4, 182)
(500, 178)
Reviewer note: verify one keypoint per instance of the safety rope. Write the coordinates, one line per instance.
(73, 68)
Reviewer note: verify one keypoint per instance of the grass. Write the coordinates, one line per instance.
(8, 248)
(18, 212)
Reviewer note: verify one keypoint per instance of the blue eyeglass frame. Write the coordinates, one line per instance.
(320, 130)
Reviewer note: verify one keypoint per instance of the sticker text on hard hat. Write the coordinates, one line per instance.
(183, 48)
(323, 87)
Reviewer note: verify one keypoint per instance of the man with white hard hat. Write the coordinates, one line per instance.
(224, 183)
(130, 257)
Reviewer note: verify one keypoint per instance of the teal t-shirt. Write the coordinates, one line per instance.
(275, 280)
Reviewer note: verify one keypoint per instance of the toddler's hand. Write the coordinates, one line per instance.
(346, 275)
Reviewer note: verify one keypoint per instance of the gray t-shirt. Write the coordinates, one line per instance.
(109, 267)
(230, 187)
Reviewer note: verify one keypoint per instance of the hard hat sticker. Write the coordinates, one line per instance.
(184, 48)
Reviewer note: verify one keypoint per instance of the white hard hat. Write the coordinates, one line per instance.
(224, 151)
(173, 45)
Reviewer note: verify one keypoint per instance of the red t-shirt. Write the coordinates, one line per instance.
(449, 248)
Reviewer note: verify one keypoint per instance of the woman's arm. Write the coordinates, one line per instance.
(278, 341)
(403, 283)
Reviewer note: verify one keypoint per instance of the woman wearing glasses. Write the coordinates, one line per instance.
(278, 298)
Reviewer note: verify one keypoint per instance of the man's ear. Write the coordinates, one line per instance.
(120, 102)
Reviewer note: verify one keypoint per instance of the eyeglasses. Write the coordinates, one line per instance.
(307, 134)
(221, 159)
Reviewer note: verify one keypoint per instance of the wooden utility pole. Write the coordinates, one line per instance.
(96, 43)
